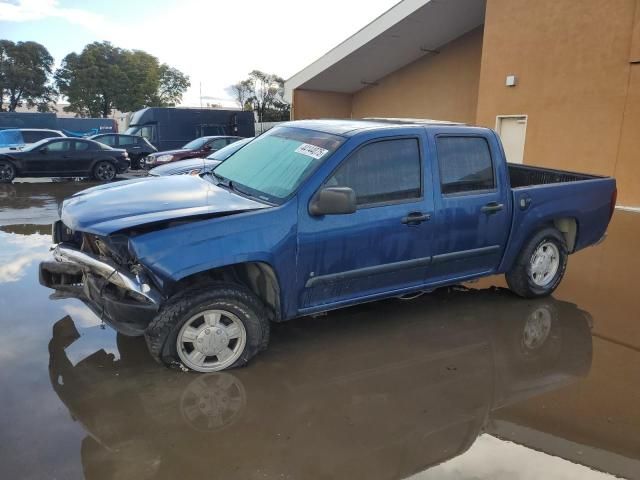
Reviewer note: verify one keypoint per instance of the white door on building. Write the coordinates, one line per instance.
(512, 130)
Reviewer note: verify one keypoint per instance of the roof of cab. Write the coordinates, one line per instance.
(349, 127)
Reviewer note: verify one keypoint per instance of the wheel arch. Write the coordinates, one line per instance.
(258, 276)
(568, 226)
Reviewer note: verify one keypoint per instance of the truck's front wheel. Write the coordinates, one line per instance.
(209, 329)
(540, 266)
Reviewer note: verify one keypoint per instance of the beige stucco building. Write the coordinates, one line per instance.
(558, 79)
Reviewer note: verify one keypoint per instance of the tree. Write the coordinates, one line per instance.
(104, 77)
(173, 83)
(25, 71)
(242, 93)
(263, 93)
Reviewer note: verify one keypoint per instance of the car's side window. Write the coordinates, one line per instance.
(465, 164)
(218, 143)
(81, 146)
(383, 171)
(59, 146)
(35, 136)
(108, 140)
(127, 140)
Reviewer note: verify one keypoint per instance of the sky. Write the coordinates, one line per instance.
(216, 43)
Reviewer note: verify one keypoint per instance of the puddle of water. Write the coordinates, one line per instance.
(454, 384)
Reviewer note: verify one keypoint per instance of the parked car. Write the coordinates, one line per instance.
(313, 216)
(19, 137)
(136, 147)
(194, 149)
(195, 166)
(63, 157)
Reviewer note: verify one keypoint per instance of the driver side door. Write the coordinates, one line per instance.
(50, 159)
(385, 246)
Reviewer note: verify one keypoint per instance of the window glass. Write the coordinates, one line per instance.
(32, 136)
(107, 140)
(11, 137)
(218, 143)
(127, 140)
(59, 146)
(81, 146)
(382, 172)
(465, 164)
(273, 165)
(148, 132)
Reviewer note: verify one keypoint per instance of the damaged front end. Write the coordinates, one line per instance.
(101, 273)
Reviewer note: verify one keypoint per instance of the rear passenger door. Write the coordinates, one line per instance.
(473, 207)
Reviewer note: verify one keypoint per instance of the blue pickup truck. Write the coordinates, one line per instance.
(314, 216)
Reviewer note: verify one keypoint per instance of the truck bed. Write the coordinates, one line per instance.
(527, 176)
(543, 195)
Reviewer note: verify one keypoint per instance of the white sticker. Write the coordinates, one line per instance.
(311, 151)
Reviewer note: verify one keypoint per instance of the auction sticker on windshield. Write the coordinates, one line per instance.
(311, 151)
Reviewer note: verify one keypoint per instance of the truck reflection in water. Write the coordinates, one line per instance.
(383, 390)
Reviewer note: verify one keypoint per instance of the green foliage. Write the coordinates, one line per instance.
(25, 70)
(263, 93)
(104, 77)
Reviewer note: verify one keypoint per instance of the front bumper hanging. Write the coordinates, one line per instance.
(81, 275)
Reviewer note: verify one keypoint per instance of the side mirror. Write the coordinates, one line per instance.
(207, 148)
(333, 201)
(44, 150)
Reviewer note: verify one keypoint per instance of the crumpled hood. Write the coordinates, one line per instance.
(108, 208)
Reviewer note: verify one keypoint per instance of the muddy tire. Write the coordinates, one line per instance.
(104, 171)
(7, 171)
(209, 329)
(540, 265)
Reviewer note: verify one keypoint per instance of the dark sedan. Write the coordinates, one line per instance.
(197, 148)
(63, 157)
(195, 166)
(137, 147)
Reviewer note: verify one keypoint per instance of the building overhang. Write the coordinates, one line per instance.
(404, 33)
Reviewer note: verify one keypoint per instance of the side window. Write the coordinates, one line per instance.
(81, 146)
(218, 143)
(32, 136)
(108, 140)
(465, 164)
(127, 140)
(383, 171)
(59, 146)
(148, 132)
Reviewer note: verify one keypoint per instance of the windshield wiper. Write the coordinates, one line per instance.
(223, 180)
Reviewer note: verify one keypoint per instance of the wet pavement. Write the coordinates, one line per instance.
(467, 382)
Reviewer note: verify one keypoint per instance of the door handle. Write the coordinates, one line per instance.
(416, 218)
(492, 207)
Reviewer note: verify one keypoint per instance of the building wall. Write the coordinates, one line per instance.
(575, 83)
(314, 104)
(441, 86)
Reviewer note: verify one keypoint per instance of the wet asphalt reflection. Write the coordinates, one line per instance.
(467, 382)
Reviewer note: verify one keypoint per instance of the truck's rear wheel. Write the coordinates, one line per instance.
(209, 329)
(540, 265)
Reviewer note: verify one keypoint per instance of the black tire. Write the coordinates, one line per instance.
(104, 171)
(7, 171)
(162, 333)
(519, 278)
(135, 161)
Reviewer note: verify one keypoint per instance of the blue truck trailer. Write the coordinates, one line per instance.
(70, 126)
